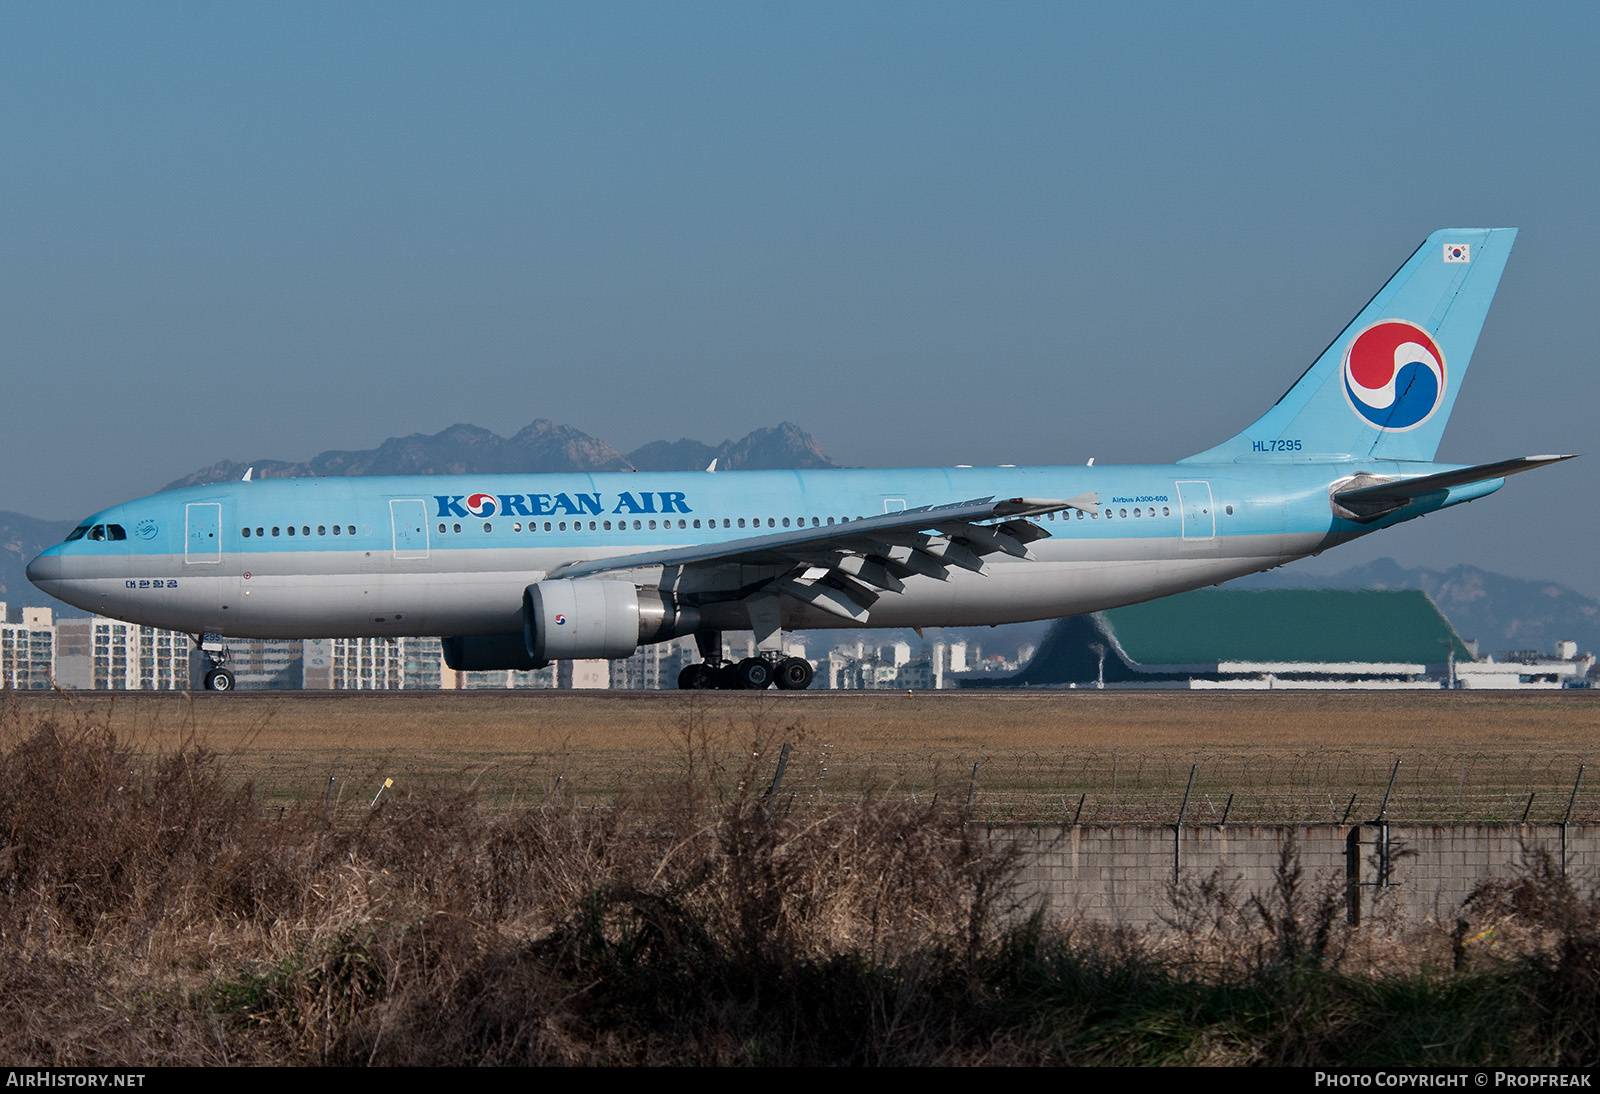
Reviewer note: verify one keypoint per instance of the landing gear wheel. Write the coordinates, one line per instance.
(696, 678)
(726, 678)
(219, 680)
(794, 674)
(753, 674)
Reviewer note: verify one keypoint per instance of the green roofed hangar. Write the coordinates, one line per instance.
(1277, 638)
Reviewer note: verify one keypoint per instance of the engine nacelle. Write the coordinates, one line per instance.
(488, 653)
(575, 619)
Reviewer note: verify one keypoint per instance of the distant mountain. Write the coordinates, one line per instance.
(778, 448)
(21, 538)
(542, 447)
(1502, 613)
(460, 450)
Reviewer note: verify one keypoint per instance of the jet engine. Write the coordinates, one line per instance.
(586, 617)
(488, 653)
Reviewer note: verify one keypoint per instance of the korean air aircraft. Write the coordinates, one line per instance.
(515, 571)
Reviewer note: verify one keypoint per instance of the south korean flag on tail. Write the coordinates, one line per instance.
(1458, 252)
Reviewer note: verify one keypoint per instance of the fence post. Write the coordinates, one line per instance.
(1567, 818)
(1352, 877)
(1177, 829)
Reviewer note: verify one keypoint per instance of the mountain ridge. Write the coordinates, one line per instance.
(541, 447)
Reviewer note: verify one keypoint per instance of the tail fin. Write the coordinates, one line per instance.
(1385, 387)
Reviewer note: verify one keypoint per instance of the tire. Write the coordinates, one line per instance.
(695, 678)
(794, 674)
(754, 674)
(219, 680)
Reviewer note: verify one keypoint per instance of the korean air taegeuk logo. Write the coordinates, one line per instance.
(1394, 375)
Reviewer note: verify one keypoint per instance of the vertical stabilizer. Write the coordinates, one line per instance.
(1385, 387)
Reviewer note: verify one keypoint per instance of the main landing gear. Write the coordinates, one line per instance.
(751, 674)
(218, 677)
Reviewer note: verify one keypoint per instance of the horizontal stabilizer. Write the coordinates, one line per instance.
(1370, 500)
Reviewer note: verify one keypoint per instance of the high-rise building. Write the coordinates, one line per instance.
(27, 649)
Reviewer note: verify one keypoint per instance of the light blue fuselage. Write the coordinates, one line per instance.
(420, 563)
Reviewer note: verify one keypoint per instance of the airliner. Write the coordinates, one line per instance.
(516, 571)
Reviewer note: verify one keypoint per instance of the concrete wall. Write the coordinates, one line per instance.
(1127, 875)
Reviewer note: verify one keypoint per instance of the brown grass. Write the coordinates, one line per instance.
(154, 909)
(1281, 756)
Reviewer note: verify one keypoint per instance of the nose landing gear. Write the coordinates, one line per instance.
(218, 677)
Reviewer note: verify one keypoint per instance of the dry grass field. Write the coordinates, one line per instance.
(1126, 756)
(602, 879)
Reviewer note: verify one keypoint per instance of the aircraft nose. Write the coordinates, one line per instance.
(45, 568)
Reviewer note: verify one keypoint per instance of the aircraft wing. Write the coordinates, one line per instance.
(1372, 501)
(842, 568)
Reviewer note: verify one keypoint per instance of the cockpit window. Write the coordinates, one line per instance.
(116, 531)
(77, 533)
(98, 532)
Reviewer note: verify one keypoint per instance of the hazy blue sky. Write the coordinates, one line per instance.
(927, 233)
